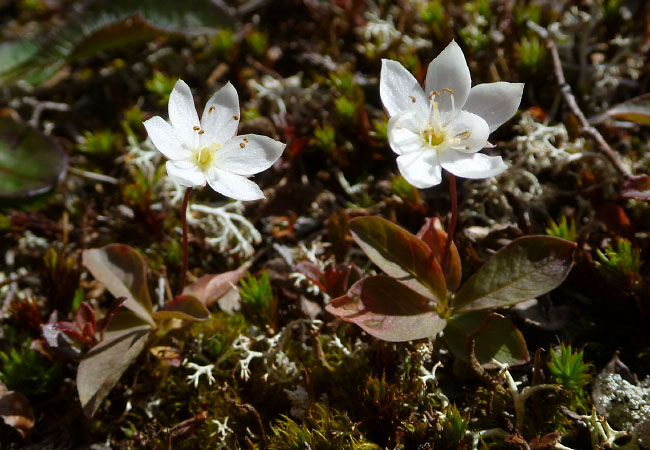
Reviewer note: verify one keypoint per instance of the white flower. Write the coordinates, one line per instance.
(446, 124)
(209, 150)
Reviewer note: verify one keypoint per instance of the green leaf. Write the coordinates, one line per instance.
(30, 162)
(400, 254)
(124, 273)
(635, 110)
(433, 235)
(522, 270)
(110, 24)
(104, 364)
(387, 310)
(500, 340)
(184, 307)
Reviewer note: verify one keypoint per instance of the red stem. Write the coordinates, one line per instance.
(186, 201)
(452, 224)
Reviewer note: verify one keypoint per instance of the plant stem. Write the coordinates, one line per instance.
(452, 224)
(186, 201)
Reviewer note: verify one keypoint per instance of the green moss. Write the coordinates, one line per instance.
(325, 429)
(25, 370)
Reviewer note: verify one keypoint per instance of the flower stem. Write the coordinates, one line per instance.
(186, 201)
(452, 224)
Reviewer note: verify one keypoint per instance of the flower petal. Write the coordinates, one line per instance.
(165, 139)
(232, 185)
(449, 71)
(420, 169)
(472, 165)
(495, 102)
(185, 173)
(248, 154)
(399, 90)
(182, 114)
(404, 133)
(220, 116)
(473, 128)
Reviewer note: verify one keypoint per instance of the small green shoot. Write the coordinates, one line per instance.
(432, 12)
(620, 261)
(161, 85)
(563, 229)
(345, 108)
(27, 371)
(258, 43)
(344, 83)
(568, 369)
(257, 300)
(101, 142)
(531, 54)
(404, 190)
(325, 137)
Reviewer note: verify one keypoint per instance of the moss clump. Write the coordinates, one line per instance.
(325, 429)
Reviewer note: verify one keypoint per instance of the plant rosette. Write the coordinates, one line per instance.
(416, 299)
(136, 326)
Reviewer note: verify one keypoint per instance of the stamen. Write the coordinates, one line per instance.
(196, 128)
(201, 131)
(465, 134)
(433, 94)
(453, 105)
(212, 108)
(242, 145)
(235, 116)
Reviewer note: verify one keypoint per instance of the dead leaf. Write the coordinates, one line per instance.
(16, 411)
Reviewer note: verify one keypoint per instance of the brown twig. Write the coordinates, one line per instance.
(570, 99)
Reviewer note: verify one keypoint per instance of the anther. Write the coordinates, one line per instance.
(448, 90)
(412, 97)
(235, 116)
(242, 145)
(464, 135)
(433, 94)
(212, 108)
(246, 140)
(196, 128)
(201, 131)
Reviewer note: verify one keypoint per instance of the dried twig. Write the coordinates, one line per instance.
(570, 99)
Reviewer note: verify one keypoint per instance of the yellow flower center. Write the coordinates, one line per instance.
(204, 157)
(435, 135)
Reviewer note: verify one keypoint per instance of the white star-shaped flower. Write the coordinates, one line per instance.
(209, 149)
(447, 123)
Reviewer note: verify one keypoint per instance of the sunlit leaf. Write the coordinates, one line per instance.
(500, 340)
(30, 162)
(109, 24)
(400, 254)
(102, 367)
(387, 310)
(210, 288)
(124, 273)
(524, 269)
(634, 110)
(434, 236)
(185, 307)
